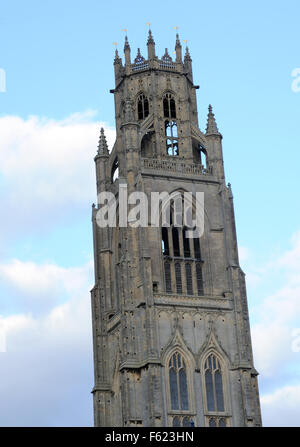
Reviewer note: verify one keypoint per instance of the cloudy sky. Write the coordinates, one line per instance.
(57, 59)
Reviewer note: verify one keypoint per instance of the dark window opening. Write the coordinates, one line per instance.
(115, 171)
(186, 244)
(143, 107)
(189, 279)
(197, 251)
(178, 277)
(171, 138)
(165, 241)
(175, 237)
(168, 277)
(199, 278)
(203, 158)
(169, 106)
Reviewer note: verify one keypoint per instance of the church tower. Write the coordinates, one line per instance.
(171, 331)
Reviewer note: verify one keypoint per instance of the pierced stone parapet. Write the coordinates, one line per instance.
(175, 166)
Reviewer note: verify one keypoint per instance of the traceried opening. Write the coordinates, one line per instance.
(171, 137)
(143, 107)
(165, 241)
(178, 383)
(203, 157)
(199, 279)
(183, 274)
(168, 281)
(178, 277)
(175, 239)
(115, 170)
(186, 244)
(214, 385)
(189, 279)
(171, 131)
(169, 106)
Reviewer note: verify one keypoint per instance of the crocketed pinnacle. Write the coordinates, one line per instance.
(150, 38)
(102, 146)
(126, 45)
(211, 127)
(117, 59)
(178, 44)
(187, 56)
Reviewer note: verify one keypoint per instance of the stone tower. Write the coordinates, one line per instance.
(171, 332)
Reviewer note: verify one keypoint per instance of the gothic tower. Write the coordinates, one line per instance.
(171, 332)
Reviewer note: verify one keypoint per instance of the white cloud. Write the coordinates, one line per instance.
(47, 168)
(278, 314)
(41, 286)
(243, 253)
(281, 407)
(47, 369)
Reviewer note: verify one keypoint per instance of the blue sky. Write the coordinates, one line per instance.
(58, 60)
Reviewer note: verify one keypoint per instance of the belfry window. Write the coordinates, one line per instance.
(171, 132)
(178, 277)
(168, 277)
(199, 279)
(115, 170)
(169, 106)
(171, 137)
(203, 157)
(143, 107)
(183, 271)
(189, 278)
(165, 241)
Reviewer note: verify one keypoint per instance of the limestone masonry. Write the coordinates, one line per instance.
(171, 331)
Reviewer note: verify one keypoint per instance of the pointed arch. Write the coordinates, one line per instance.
(182, 260)
(142, 106)
(179, 365)
(214, 368)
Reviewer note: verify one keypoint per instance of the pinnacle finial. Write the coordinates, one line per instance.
(187, 56)
(117, 58)
(150, 38)
(178, 50)
(102, 146)
(211, 127)
(126, 45)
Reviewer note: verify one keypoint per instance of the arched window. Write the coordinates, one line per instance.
(178, 277)
(115, 170)
(186, 244)
(171, 137)
(171, 131)
(165, 241)
(199, 279)
(178, 383)
(197, 250)
(182, 253)
(175, 238)
(168, 282)
(203, 157)
(189, 279)
(169, 106)
(214, 384)
(142, 107)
